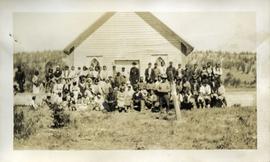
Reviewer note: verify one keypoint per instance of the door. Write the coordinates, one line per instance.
(127, 64)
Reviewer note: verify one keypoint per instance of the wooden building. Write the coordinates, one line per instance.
(120, 38)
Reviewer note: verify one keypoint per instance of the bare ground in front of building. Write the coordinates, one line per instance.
(218, 128)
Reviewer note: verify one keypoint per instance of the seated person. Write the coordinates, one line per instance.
(98, 103)
(186, 101)
(88, 97)
(205, 92)
(110, 101)
(221, 94)
(128, 97)
(121, 100)
(141, 84)
(137, 97)
(151, 101)
(48, 101)
(34, 104)
(150, 85)
(204, 74)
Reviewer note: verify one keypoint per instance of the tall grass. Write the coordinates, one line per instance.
(28, 121)
(229, 128)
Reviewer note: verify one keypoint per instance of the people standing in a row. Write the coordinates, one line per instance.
(201, 84)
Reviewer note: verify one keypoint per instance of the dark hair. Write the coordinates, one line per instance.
(36, 72)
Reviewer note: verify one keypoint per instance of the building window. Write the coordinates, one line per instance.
(95, 63)
(160, 61)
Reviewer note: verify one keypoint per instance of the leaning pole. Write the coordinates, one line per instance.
(175, 101)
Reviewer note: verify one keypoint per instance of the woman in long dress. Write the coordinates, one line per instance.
(35, 81)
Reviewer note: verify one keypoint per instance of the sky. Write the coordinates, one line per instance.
(225, 31)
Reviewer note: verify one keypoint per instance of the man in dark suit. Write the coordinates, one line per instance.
(156, 72)
(171, 72)
(149, 73)
(134, 74)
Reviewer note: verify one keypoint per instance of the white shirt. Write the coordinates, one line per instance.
(205, 90)
(72, 74)
(58, 87)
(217, 71)
(104, 74)
(162, 70)
(95, 74)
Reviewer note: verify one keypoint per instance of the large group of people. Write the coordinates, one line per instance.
(96, 89)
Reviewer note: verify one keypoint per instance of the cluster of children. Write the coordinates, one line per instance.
(93, 88)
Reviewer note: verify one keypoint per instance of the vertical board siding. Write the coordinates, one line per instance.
(125, 36)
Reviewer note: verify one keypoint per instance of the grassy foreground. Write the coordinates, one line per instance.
(229, 128)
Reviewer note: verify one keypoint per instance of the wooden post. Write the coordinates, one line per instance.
(175, 101)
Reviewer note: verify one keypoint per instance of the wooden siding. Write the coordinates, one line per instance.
(125, 36)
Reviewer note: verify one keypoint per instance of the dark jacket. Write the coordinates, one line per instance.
(20, 77)
(171, 73)
(150, 76)
(134, 75)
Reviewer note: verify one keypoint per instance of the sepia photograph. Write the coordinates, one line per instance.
(134, 80)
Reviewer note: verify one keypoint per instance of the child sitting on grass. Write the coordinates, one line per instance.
(121, 100)
(110, 100)
(151, 100)
(128, 97)
(137, 97)
(33, 104)
(98, 102)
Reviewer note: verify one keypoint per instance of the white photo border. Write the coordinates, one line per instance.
(262, 9)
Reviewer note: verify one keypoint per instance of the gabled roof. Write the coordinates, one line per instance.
(149, 18)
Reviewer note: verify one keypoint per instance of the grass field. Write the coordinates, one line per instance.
(226, 128)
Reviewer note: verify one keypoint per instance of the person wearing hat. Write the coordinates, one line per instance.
(171, 72)
(163, 90)
(149, 73)
(134, 74)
